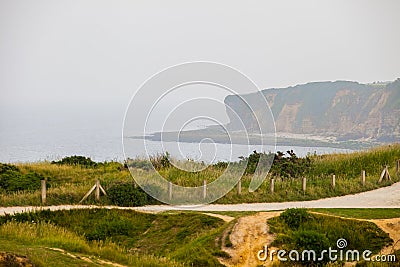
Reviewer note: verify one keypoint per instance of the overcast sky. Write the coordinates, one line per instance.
(60, 56)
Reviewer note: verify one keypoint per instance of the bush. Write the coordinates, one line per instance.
(128, 195)
(255, 159)
(76, 161)
(139, 164)
(311, 240)
(284, 165)
(221, 165)
(160, 161)
(12, 180)
(108, 229)
(7, 167)
(295, 217)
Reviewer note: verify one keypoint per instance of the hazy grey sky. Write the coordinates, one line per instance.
(92, 55)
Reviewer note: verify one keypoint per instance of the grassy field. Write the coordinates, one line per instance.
(69, 183)
(300, 230)
(125, 237)
(101, 237)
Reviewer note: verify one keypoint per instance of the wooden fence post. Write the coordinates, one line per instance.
(239, 187)
(97, 187)
(363, 178)
(204, 189)
(304, 184)
(170, 190)
(333, 182)
(43, 185)
(272, 186)
(385, 174)
(97, 192)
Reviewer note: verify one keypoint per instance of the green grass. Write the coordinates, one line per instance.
(375, 213)
(35, 239)
(42, 256)
(182, 237)
(350, 165)
(318, 232)
(70, 183)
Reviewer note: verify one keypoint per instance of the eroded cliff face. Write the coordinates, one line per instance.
(340, 110)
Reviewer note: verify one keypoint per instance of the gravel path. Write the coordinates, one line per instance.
(386, 197)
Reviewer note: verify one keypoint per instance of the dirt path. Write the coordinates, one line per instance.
(251, 233)
(248, 236)
(392, 227)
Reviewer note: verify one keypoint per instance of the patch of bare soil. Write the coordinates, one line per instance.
(392, 227)
(225, 218)
(11, 259)
(248, 236)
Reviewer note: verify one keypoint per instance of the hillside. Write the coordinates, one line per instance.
(337, 111)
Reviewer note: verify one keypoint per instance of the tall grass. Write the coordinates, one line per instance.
(360, 235)
(350, 165)
(111, 234)
(47, 234)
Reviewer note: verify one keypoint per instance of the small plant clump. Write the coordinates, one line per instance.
(128, 194)
(12, 180)
(299, 230)
(295, 217)
(76, 161)
(283, 165)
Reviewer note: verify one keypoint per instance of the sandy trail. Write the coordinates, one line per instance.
(251, 233)
(386, 197)
(248, 236)
(392, 227)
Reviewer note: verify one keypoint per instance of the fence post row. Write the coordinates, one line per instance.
(97, 187)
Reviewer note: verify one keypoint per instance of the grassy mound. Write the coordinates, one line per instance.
(300, 230)
(119, 235)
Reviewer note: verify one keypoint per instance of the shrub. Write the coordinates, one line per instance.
(104, 230)
(255, 159)
(221, 165)
(7, 167)
(128, 195)
(160, 161)
(295, 217)
(311, 240)
(284, 165)
(12, 181)
(139, 164)
(76, 161)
